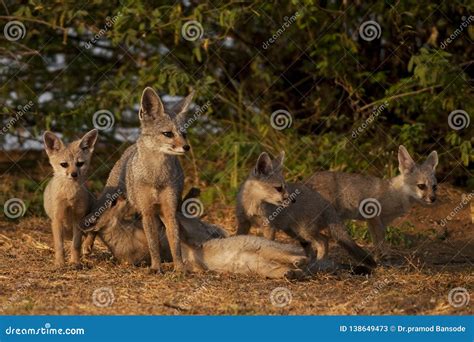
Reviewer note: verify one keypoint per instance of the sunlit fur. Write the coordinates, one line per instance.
(66, 199)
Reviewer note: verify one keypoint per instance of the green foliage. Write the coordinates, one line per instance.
(318, 68)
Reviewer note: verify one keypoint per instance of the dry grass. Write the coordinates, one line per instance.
(437, 260)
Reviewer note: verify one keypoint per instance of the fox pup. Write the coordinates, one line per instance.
(265, 198)
(385, 199)
(150, 175)
(66, 199)
(204, 246)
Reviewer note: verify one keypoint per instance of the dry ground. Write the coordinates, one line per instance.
(435, 260)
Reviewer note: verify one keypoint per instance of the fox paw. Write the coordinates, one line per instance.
(294, 274)
(155, 270)
(300, 262)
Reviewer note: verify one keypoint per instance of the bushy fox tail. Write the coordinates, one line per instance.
(340, 234)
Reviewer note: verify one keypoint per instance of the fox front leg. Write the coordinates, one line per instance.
(269, 232)
(377, 233)
(169, 207)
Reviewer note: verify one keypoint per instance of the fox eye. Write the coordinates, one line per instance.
(279, 188)
(168, 134)
(79, 164)
(64, 165)
(184, 135)
(435, 187)
(421, 186)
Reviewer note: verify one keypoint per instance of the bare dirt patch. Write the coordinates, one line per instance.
(436, 259)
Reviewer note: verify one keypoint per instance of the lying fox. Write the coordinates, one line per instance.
(205, 246)
(265, 198)
(385, 199)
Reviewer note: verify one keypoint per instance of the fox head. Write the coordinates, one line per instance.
(70, 161)
(163, 131)
(419, 179)
(266, 182)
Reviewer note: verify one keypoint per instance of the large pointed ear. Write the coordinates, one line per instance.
(264, 165)
(432, 160)
(405, 161)
(278, 162)
(52, 143)
(88, 140)
(182, 106)
(151, 106)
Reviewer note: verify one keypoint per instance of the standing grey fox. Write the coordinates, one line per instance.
(66, 199)
(379, 201)
(204, 246)
(265, 198)
(150, 176)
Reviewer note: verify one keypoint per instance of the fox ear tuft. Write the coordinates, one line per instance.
(88, 140)
(264, 165)
(432, 160)
(52, 143)
(151, 106)
(405, 162)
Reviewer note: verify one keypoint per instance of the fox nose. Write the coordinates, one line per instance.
(186, 147)
(432, 199)
(74, 175)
